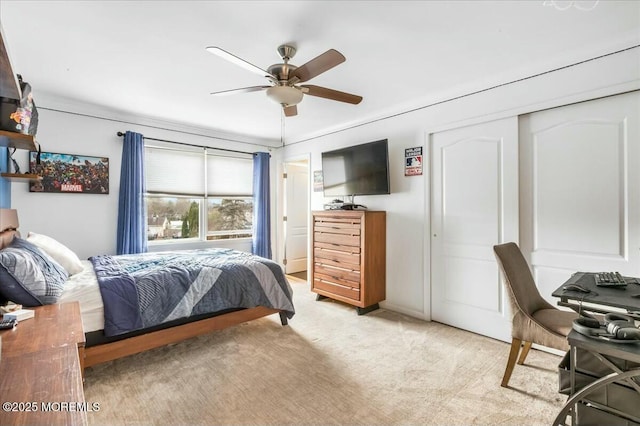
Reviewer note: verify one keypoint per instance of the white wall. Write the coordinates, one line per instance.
(408, 264)
(86, 223)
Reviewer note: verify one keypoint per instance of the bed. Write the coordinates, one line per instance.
(133, 303)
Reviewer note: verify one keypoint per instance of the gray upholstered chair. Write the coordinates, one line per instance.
(533, 319)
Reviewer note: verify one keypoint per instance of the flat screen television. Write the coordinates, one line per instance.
(356, 170)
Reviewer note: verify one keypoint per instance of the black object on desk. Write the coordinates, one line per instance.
(609, 279)
(8, 323)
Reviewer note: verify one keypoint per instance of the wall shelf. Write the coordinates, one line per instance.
(21, 177)
(17, 140)
(9, 87)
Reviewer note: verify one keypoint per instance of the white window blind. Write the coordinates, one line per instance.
(229, 176)
(174, 172)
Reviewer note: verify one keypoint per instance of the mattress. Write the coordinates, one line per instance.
(83, 287)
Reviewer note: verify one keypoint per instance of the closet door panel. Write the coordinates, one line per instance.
(578, 185)
(474, 206)
(580, 189)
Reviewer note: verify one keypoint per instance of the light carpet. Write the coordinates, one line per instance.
(329, 366)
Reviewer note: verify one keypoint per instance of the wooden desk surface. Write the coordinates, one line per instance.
(42, 388)
(41, 369)
(52, 326)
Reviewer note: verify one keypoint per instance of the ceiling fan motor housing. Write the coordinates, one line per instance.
(281, 71)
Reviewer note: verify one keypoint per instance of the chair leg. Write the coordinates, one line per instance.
(513, 355)
(524, 353)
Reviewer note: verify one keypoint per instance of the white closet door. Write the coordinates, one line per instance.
(580, 193)
(474, 206)
(296, 211)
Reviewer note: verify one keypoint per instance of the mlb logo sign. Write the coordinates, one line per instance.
(413, 161)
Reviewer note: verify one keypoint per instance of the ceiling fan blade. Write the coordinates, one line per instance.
(323, 92)
(238, 61)
(318, 65)
(241, 90)
(290, 111)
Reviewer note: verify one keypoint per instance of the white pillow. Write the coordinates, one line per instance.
(58, 251)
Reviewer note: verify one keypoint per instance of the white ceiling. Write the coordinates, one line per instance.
(148, 57)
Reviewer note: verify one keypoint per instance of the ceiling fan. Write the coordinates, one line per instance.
(284, 78)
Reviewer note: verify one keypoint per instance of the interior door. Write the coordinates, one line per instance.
(297, 216)
(580, 174)
(474, 206)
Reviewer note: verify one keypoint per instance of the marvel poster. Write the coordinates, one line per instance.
(69, 173)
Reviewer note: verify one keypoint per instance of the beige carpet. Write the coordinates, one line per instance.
(328, 367)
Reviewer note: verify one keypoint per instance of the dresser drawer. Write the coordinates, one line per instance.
(337, 256)
(335, 288)
(337, 239)
(338, 221)
(336, 247)
(341, 276)
(337, 228)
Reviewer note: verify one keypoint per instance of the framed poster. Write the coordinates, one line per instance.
(317, 181)
(413, 161)
(69, 173)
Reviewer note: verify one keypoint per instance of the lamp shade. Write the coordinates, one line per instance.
(285, 95)
(8, 219)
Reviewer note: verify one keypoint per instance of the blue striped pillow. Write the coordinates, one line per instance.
(28, 276)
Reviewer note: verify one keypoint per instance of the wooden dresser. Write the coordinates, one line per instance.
(349, 257)
(41, 369)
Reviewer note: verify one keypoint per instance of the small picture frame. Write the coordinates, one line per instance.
(413, 161)
(317, 181)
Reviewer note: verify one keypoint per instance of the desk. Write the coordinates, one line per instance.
(625, 298)
(610, 393)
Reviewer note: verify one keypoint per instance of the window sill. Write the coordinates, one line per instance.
(243, 244)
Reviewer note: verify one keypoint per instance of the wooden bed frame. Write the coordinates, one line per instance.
(132, 345)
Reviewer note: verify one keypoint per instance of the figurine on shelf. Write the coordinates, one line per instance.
(19, 115)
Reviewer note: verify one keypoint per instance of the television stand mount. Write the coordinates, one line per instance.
(352, 206)
(339, 204)
(349, 204)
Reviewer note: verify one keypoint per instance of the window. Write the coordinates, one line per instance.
(229, 218)
(193, 194)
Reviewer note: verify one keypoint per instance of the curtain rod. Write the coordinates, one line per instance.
(194, 145)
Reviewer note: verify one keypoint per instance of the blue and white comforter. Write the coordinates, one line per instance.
(143, 290)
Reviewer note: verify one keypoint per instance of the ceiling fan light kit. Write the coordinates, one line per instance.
(285, 95)
(285, 76)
